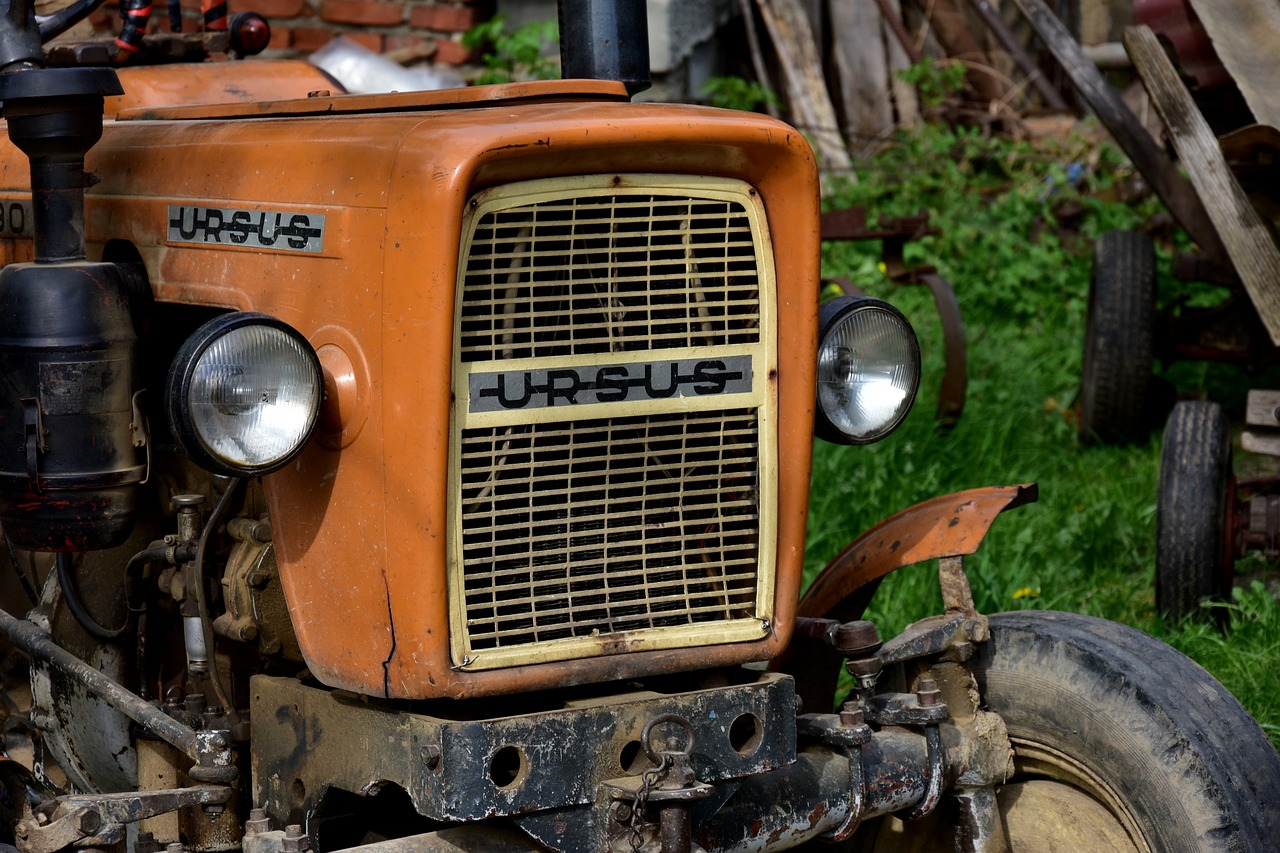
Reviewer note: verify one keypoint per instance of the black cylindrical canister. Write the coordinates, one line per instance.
(68, 461)
(605, 40)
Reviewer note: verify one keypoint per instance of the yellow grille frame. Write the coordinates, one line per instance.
(734, 331)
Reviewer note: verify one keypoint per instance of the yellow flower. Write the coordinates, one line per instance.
(1026, 592)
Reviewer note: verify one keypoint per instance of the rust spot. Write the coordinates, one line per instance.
(773, 374)
(617, 180)
(818, 813)
(897, 543)
(754, 827)
(954, 521)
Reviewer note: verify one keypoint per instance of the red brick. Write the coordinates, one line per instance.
(373, 41)
(367, 12)
(272, 9)
(308, 39)
(402, 42)
(281, 38)
(454, 53)
(444, 19)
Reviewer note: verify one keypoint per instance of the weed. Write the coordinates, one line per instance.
(516, 55)
(935, 79)
(738, 93)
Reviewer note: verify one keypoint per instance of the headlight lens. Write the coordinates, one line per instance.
(868, 370)
(244, 394)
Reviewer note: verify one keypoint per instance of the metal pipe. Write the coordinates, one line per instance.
(605, 40)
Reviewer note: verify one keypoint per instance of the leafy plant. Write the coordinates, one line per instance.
(516, 55)
(738, 93)
(935, 79)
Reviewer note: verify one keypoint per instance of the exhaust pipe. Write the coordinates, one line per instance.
(605, 40)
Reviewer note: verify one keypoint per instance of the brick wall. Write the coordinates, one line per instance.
(298, 27)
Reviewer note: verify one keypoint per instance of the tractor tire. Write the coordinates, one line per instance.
(1121, 744)
(1119, 340)
(1193, 556)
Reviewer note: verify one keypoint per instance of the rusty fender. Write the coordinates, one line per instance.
(947, 526)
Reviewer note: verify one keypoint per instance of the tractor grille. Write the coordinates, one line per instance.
(589, 522)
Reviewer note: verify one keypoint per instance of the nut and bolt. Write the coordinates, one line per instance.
(294, 841)
(257, 823)
(927, 693)
(431, 756)
(851, 715)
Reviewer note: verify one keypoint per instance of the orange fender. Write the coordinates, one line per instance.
(946, 526)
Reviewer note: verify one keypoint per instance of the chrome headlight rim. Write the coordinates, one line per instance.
(832, 315)
(183, 373)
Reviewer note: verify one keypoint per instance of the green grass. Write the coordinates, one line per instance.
(1016, 243)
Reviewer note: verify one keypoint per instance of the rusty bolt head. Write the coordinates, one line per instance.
(258, 579)
(928, 693)
(621, 812)
(431, 756)
(89, 822)
(248, 631)
(851, 715)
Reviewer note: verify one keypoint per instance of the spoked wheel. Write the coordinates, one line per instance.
(1118, 340)
(1121, 743)
(1194, 531)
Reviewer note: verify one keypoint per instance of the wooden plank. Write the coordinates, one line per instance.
(806, 90)
(1262, 407)
(906, 102)
(1248, 240)
(1156, 167)
(1246, 37)
(862, 67)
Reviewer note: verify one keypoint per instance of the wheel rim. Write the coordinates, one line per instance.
(1053, 802)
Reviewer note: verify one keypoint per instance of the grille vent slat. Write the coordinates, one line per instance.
(649, 550)
(633, 273)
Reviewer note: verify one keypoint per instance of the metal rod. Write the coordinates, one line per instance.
(41, 646)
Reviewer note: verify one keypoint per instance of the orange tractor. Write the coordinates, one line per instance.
(429, 472)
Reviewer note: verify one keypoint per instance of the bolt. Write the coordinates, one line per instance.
(258, 579)
(258, 822)
(621, 812)
(89, 822)
(431, 756)
(247, 632)
(851, 715)
(928, 693)
(294, 841)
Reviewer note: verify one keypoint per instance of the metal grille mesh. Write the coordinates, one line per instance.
(601, 526)
(609, 273)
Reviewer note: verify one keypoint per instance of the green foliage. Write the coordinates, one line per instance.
(935, 79)
(738, 93)
(515, 55)
(1017, 223)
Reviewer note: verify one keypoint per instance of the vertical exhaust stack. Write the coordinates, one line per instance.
(69, 466)
(605, 40)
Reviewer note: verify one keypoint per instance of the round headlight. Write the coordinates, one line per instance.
(244, 394)
(868, 370)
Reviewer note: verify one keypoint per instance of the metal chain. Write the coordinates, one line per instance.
(648, 780)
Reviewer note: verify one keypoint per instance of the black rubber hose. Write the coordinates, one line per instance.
(71, 595)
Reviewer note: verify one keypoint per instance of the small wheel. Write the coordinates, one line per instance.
(1118, 339)
(1120, 743)
(1194, 555)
